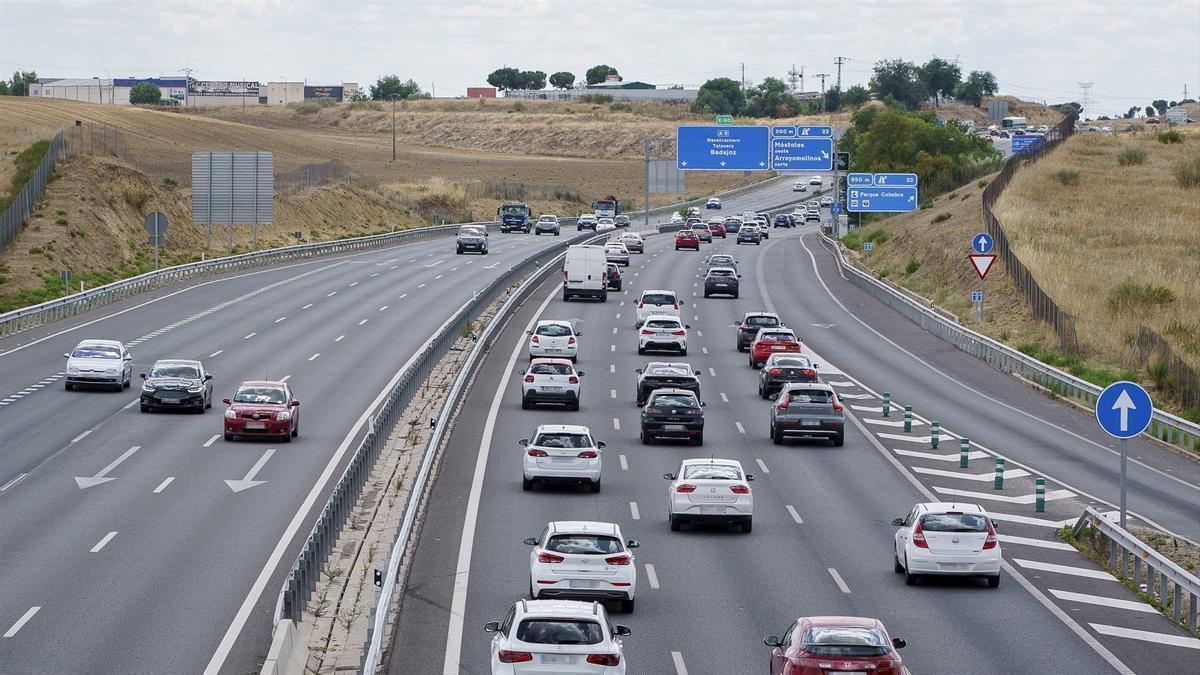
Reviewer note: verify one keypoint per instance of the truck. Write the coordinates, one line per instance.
(514, 216)
(606, 207)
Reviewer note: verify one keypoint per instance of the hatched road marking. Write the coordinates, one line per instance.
(1103, 601)
(1147, 636)
(1064, 569)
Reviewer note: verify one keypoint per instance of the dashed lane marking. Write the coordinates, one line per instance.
(363, 321)
(307, 306)
(211, 440)
(633, 511)
(163, 485)
(677, 659)
(216, 353)
(103, 542)
(740, 428)
(247, 337)
(18, 480)
(837, 579)
(762, 466)
(794, 514)
(724, 398)
(624, 462)
(616, 424)
(651, 576)
(339, 338)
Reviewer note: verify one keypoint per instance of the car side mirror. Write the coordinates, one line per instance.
(529, 332)
(703, 404)
(897, 522)
(579, 373)
(633, 543)
(816, 365)
(687, 325)
(749, 477)
(899, 643)
(638, 371)
(523, 442)
(669, 476)
(601, 444)
(681, 303)
(579, 333)
(623, 630)
(530, 541)
(521, 372)
(294, 404)
(129, 357)
(739, 276)
(142, 375)
(492, 626)
(995, 526)
(66, 356)
(772, 641)
(208, 377)
(226, 401)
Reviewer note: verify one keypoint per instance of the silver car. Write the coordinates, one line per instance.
(547, 224)
(99, 362)
(471, 238)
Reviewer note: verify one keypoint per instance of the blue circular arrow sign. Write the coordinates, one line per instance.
(1124, 409)
(982, 243)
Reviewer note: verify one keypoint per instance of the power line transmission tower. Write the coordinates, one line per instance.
(1085, 89)
(743, 77)
(795, 76)
(838, 61)
(822, 76)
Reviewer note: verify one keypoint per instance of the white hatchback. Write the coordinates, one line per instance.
(564, 453)
(947, 538)
(616, 253)
(557, 636)
(710, 490)
(550, 381)
(553, 338)
(583, 560)
(663, 332)
(656, 302)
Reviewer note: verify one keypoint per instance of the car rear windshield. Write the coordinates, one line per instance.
(259, 395)
(585, 544)
(560, 632)
(550, 369)
(669, 371)
(776, 337)
(761, 321)
(562, 440)
(615, 247)
(96, 352)
(547, 219)
(662, 323)
(845, 641)
(554, 330)
(720, 273)
(673, 401)
(791, 362)
(658, 299)
(180, 370)
(954, 522)
(712, 472)
(818, 396)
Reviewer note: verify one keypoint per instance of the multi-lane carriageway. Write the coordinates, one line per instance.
(822, 536)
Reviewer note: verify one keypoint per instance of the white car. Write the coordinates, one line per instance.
(616, 253)
(562, 453)
(99, 362)
(550, 381)
(633, 242)
(663, 332)
(799, 186)
(815, 180)
(606, 225)
(553, 338)
(710, 490)
(947, 538)
(656, 302)
(764, 230)
(557, 636)
(584, 560)
(676, 218)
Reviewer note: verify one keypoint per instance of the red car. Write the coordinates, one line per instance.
(817, 645)
(262, 408)
(772, 341)
(687, 239)
(717, 228)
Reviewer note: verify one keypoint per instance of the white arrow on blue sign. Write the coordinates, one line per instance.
(982, 243)
(1124, 409)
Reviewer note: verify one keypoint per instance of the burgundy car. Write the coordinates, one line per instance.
(687, 239)
(717, 229)
(262, 408)
(817, 645)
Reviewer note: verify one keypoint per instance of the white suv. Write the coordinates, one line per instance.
(550, 381)
(663, 332)
(947, 538)
(656, 302)
(710, 490)
(584, 560)
(562, 453)
(557, 636)
(552, 338)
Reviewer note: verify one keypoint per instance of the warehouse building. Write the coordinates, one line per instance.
(104, 90)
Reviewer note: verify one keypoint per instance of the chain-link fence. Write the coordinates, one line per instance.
(311, 176)
(1173, 376)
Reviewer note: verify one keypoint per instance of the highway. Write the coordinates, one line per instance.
(822, 535)
(163, 567)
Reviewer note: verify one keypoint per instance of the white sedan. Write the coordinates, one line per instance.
(616, 253)
(663, 332)
(99, 362)
(947, 538)
(710, 490)
(633, 242)
(562, 453)
(815, 180)
(553, 338)
(556, 636)
(799, 186)
(583, 560)
(550, 381)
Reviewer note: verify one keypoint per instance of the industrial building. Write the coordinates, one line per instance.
(104, 90)
(190, 92)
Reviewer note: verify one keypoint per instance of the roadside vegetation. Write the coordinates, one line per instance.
(24, 165)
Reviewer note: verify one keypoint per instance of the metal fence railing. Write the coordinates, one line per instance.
(311, 176)
(1175, 377)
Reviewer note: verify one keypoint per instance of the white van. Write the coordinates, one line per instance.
(585, 273)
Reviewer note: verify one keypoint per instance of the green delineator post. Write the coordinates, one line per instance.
(999, 474)
(935, 430)
(964, 452)
(887, 403)
(908, 419)
(1039, 491)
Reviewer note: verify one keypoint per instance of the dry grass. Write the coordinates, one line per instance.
(1036, 113)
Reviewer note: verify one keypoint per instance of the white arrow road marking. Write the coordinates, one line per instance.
(891, 423)
(435, 264)
(1124, 404)
(1010, 499)
(249, 482)
(978, 477)
(102, 475)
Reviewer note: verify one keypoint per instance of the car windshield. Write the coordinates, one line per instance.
(560, 632)
(560, 439)
(720, 260)
(586, 544)
(720, 273)
(954, 522)
(96, 352)
(790, 362)
(514, 209)
(658, 299)
(554, 330)
(622, 219)
(662, 323)
(180, 370)
(547, 219)
(673, 401)
(845, 641)
(818, 396)
(550, 369)
(259, 395)
(712, 472)
(471, 232)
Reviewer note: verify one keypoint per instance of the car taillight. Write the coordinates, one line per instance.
(918, 537)
(990, 542)
(676, 305)
(535, 452)
(686, 488)
(837, 405)
(622, 559)
(694, 411)
(570, 340)
(775, 371)
(546, 557)
(678, 332)
(784, 402)
(534, 339)
(647, 332)
(588, 454)
(808, 373)
(529, 378)
(509, 656)
(573, 380)
(739, 489)
(604, 659)
(641, 304)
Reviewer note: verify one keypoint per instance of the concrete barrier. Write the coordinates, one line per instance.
(289, 653)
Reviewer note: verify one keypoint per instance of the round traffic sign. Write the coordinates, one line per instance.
(1124, 409)
(982, 243)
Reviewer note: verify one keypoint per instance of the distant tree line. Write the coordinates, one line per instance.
(509, 78)
(18, 85)
(390, 85)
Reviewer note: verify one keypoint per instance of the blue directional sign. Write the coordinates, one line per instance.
(881, 192)
(1026, 143)
(860, 179)
(890, 179)
(866, 246)
(976, 296)
(1124, 409)
(803, 148)
(982, 243)
(723, 148)
(783, 132)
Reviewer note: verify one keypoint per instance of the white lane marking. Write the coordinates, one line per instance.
(331, 294)
(1029, 520)
(80, 436)
(453, 269)
(282, 318)
(677, 659)
(617, 316)
(614, 330)
(19, 477)
(1064, 569)
(374, 275)
(612, 393)
(21, 622)
(699, 334)
(616, 424)
(363, 321)
(353, 284)
(285, 378)
(740, 428)
(212, 440)
(624, 464)
(435, 264)
(724, 398)
(977, 477)
(1147, 636)
(421, 285)
(837, 579)
(163, 485)
(1039, 543)
(216, 353)
(651, 576)
(712, 372)
(247, 337)
(621, 304)
(314, 356)
(1008, 499)
(860, 397)
(132, 403)
(704, 349)
(382, 308)
(924, 440)
(1132, 605)
(101, 544)
(762, 466)
(612, 348)
(612, 367)
(794, 514)
(402, 296)
(633, 511)
(307, 306)
(938, 457)
(438, 277)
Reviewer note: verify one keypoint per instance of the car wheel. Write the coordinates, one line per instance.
(641, 351)
(683, 352)
(761, 393)
(994, 582)
(68, 386)
(525, 405)
(896, 566)
(118, 387)
(645, 438)
(676, 525)
(706, 294)
(627, 606)
(287, 437)
(573, 405)
(594, 486)
(735, 295)
(839, 440)
(776, 436)
(910, 579)
(747, 527)
(458, 251)
(145, 408)
(557, 233)
(527, 485)
(537, 234)
(699, 439)
(229, 436)
(566, 298)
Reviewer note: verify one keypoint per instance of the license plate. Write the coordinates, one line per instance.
(171, 400)
(581, 583)
(557, 658)
(810, 423)
(552, 388)
(674, 427)
(256, 425)
(953, 566)
(553, 349)
(712, 510)
(776, 348)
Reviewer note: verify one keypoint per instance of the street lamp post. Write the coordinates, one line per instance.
(393, 97)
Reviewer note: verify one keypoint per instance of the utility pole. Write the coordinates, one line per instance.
(743, 77)
(393, 97)
(1085, 89)
(838, 61)
(822, 76)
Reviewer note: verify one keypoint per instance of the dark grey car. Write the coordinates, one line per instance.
(665, 375)
(721, 281)
(749, 234)
(808, 411)
(673, 413)
(472, 238)
(178, 385)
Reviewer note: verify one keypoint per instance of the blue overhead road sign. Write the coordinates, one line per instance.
(890, 179)
(857, 179)
(802, 148)
(724, 148)
(1124, 409)
(1026, 143)
(982, 243)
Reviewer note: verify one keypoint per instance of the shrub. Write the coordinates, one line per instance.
(305, 107)
(982, 183)
(941, 217)
(927, 203)
(1131, 155)
(170, 182)
(1169, 136)
(852, 240)
(1187, 172)
(136, 198)
(912, 267)
(1067, 176)
(596, 98)
(61, 220)
(876, 236)
(1129, 295)
(621, 106)
(368, 104)
(518, 107)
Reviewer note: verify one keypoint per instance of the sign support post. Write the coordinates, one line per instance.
(646, 204)
(1124, 410)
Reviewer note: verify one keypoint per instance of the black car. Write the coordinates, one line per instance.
(621, 221)
(808, 411)
(782, 369)
(178, 385)
(665, 375)
(721, 281)
(472, 238)
(614, 276)
(749, 234)
(749, 325)
(673, 413)
(783, 220)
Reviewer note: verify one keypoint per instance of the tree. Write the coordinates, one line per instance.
(1129, 114)
(562, 80)
(720, 96)
(600, 73)
(977, 85)
(1071, 109)
(1172, 104)
(855, 95)
(144, 92)
(899, 79)
(771, 98)
(1161, 105)
(19, 85)
(1149, 111)
(533, 80)
(833, 99)
(940, 78)
(505, 78)
(389, 85)
(3, 88)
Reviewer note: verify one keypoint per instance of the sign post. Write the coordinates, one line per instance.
(1124, 410)
(982, 260)
(156, 227)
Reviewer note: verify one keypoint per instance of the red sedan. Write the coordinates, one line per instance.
(687, 239)
(816, 645)
(263, 408)
(772, 341)
(717, 228)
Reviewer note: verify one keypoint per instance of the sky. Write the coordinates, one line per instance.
(1132, 51)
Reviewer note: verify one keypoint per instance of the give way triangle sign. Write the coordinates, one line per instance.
(982, 263)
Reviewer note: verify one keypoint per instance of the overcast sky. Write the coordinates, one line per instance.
(1133, 50)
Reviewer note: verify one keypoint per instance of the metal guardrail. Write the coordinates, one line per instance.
(1128, 555)
(1163, 425)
